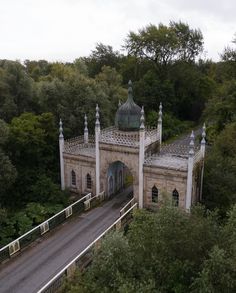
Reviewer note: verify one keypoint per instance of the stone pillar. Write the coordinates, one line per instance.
(85, 129)
(203, 150)
(141, 158)
(159, 126)
(188, 200)
(61, 150)
(97, 153)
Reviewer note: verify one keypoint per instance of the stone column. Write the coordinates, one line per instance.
(85, 129)
(159, 126)
(97, 153)
(190, 174)
(61, 150)
(141, 158)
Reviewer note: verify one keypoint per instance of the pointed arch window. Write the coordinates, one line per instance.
(73, 178)
(154, 194)
(175, 197)
(89, 181)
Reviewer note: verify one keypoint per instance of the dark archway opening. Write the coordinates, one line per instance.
(119, 179)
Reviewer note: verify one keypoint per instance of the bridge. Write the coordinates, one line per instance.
(34, 268)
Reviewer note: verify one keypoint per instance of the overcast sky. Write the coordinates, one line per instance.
(62, 30)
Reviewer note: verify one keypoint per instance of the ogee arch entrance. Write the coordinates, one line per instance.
(119, 178)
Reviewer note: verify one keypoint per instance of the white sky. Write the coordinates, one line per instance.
(62, 30)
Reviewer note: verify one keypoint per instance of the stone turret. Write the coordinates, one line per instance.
(188, 200)
(141, 157)
(97, 154)
(159, 125)
(61, 150)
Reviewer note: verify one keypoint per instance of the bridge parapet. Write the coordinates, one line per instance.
(76, 208)
(84, 259)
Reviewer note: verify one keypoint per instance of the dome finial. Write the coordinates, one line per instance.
(97, 123)
(130, 91)
(191, 144)
(60, 129)
(203, 141)
(142, 119)
(85, 123)
(85, 129)
(160, 113)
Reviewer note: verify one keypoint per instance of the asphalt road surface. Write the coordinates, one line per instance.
(35, 266)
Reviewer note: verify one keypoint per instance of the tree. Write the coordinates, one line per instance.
(218, 274)
(164, 44)
(8, 175)
(190, 41)
(219, 190)
(33, 150)
(229, 53)
(17, 88)
(8, 172)
(103, 55)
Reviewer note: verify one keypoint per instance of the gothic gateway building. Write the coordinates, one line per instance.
(132, 152)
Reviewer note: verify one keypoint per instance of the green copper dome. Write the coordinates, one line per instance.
(128, 115)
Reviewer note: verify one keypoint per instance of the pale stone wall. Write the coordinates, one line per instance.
(166, 180)
(82, 166)
(111, 153)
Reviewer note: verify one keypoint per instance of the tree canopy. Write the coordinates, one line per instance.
(165, 44)
(168, 251)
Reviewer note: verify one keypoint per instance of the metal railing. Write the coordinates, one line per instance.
(127, 206)
(76, 208)
(84, 259)
(91, 202)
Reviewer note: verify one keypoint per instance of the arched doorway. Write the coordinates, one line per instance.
(119, 179)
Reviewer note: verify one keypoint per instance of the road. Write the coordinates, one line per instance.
(185, 139)
(36, 265)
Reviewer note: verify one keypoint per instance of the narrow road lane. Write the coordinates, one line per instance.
(35, 266)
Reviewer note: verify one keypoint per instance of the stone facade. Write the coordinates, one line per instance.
(82, 166)
(159, 172)
(167, 172)
(166, 181)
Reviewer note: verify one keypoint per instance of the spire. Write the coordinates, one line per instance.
(142, 119)
(130, 91)
(191, 144)
(159, 124)
(203, 141)
(60, 129)
(85, 123)
(85, 129)
(160, 113)
(97, 123)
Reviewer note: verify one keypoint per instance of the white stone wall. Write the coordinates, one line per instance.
(166, 181)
